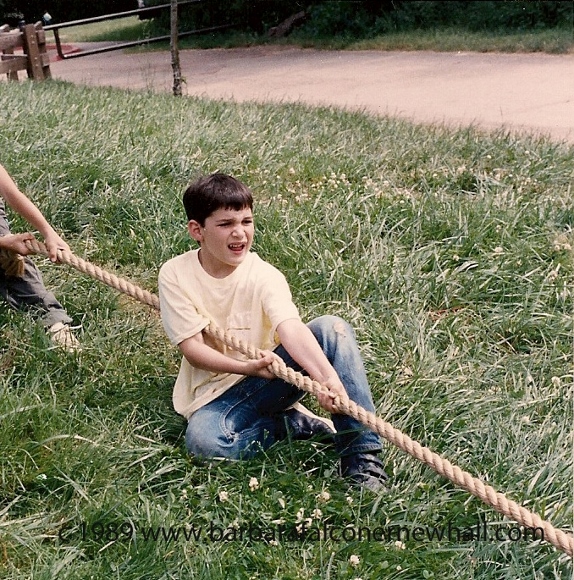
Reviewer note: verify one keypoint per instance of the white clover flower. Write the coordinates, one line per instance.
(300, 515)
(498, 251)
(561, 243)
(316, 514)
(349, 500)
(223, 496)
(354, 560)
(273, 543)
(253, 484)
(303, 525)
(324, 496)
(553, 274)
(400, 545)
(556, 381)
(184, 493)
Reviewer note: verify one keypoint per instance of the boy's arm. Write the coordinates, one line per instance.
(21, 204)
(300, 343)
(201, 355)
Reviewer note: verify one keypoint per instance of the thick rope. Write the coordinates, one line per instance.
(463, 479)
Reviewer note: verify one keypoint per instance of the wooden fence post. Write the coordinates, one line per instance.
(35, 47)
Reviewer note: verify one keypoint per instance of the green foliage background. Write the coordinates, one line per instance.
(366, 19)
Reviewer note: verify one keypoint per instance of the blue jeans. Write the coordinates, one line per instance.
(29, 290)
(244, 419)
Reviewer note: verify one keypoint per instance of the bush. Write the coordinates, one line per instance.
(363, 19)
(251, 15)
(487, 15)
(62, 10)
(339, 19)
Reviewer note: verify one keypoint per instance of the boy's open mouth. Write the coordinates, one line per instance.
(236, 247)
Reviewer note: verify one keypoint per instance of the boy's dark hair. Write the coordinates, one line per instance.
(212, 192)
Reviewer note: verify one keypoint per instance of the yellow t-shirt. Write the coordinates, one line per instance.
(249, 303)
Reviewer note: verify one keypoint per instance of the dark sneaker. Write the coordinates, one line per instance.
(300, 427)
(365, 470)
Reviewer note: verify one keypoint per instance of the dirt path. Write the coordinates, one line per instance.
(529, 92)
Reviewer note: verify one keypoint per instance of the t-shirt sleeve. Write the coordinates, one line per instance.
(276, 299)
(179, 316)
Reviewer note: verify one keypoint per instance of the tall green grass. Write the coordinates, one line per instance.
(449, 251)
(553, 41)
(120, 29)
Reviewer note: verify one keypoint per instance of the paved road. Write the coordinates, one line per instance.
(530, 92)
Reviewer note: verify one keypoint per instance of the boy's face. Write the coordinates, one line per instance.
(225, 239)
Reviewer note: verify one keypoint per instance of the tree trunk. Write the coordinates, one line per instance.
(176, 68)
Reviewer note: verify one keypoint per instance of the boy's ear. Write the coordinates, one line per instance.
(194, 229)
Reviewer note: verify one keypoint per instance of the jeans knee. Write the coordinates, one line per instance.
(206, 436)
(330, 326)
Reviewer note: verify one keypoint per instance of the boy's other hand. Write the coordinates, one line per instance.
(53, 243)
(336, 388)
(16, 243)
(262, 367)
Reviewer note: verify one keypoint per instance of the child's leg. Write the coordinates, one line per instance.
(243, 420)
(337, 339)
(29, 291)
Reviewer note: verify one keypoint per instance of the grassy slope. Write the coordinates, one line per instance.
(448, 251)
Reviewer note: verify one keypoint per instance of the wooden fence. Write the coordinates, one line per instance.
(34, 59)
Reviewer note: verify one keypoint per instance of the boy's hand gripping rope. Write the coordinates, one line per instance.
(474, 486)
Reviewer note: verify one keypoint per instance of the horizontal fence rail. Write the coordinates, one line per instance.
(55, 28)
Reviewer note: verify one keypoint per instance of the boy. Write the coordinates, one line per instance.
(28, 290)
(235, 406)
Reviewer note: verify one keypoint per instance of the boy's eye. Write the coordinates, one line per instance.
(246, 222)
